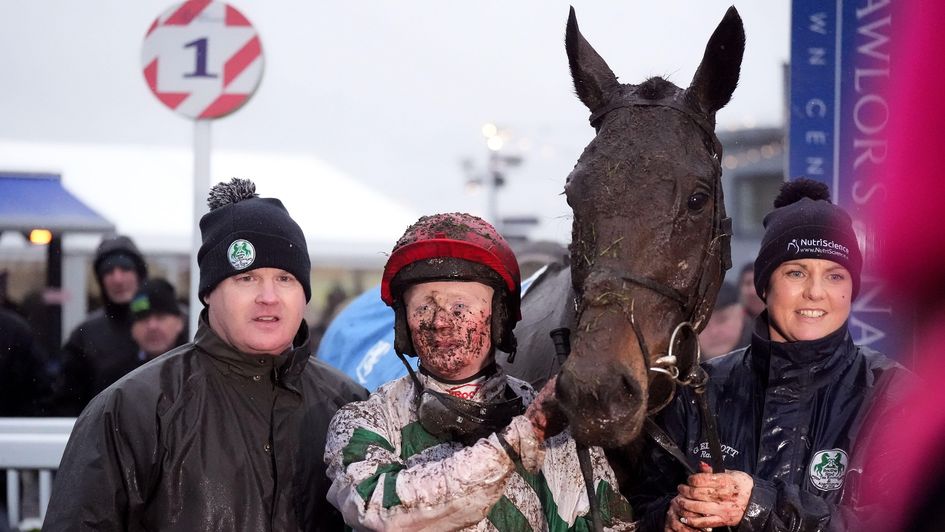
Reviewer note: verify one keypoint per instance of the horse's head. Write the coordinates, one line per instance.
(650, 240)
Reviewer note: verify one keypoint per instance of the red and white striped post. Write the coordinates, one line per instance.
(202, 59)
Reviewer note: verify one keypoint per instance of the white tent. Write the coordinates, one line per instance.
(147, 193)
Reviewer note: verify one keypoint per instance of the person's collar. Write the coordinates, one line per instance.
(808, 361)
(489, 370)
(485, 386)
(288, 365)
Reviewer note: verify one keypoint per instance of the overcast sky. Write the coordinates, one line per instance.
(392, 94)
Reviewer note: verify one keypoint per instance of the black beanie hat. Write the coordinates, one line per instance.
(118, 250)
(155, 297)
(805, 225)
(243, 232)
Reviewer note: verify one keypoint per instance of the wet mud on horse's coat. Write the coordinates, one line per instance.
(649, 239)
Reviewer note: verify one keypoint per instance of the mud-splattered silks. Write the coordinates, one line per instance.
(389, 473)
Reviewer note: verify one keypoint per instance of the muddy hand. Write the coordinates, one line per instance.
(545, 414)
(720, 497)
(679, 520)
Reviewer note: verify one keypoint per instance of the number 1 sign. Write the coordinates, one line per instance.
(202, 59)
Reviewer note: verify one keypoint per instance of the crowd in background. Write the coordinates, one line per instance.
(139, 318)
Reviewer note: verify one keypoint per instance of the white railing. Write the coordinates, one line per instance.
(29, 445)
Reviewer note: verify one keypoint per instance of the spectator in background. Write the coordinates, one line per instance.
(158, 325)
(24, 386)
(752, 305)
(723, 333)
(4, 295)
(100, 350)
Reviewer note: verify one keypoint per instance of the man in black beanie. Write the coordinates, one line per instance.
(100, 350)
(227, 432)
(159, 324)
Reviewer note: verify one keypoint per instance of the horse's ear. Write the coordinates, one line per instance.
(593, 79)
(717, 75)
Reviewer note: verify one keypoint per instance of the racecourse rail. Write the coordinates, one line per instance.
(29, 446)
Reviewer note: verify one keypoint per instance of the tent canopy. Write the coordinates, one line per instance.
(147, 191)
(39, 201)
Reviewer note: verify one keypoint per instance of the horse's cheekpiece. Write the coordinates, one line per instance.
(452, 418)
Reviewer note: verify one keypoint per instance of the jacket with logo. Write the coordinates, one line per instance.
(389, 473)
(797, 417)
(205, 437)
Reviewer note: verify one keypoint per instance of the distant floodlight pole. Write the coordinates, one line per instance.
(495, 171)
(203, 60)
(494, 180)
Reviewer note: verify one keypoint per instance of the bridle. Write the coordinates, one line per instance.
(695, 306)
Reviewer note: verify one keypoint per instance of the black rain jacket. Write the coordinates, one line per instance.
(24, 384)
(100, 350)
(205, 437)
(780, 406)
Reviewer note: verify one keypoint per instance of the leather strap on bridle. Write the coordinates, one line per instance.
(632, 100)
(665, 441)
(695, 306)
(721, 225)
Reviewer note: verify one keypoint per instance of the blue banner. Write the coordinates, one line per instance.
(840, 66)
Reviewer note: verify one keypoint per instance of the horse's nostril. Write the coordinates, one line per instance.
(596, 385)
(631, 387)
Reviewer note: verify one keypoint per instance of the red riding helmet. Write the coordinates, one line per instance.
(454, 247)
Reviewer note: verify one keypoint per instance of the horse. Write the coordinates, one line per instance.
(650, 241)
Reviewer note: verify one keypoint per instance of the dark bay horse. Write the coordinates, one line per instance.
(649, 242)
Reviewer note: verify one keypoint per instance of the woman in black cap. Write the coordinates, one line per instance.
(791, 407)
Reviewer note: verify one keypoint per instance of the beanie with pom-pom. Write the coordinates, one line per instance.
(805, 225)
(243, 232)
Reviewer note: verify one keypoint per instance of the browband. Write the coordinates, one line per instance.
(632, 100)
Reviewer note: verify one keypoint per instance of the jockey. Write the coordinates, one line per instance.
(458, 444)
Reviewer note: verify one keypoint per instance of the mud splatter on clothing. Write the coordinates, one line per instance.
(389, 473)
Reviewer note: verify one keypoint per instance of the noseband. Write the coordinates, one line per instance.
(695, 306)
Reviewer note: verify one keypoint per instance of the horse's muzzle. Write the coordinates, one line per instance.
(604, 403)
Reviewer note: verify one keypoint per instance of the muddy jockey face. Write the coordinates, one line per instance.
(649, 239)
(455, 288)
(454, 247)
(450, 326)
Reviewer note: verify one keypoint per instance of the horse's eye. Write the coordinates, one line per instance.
(697, 201)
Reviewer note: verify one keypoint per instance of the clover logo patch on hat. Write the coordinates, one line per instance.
(827, 469)
(241, 254)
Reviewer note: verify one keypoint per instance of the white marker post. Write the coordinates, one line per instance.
(204, 60)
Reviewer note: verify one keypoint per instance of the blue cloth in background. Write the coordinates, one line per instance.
(360, 342)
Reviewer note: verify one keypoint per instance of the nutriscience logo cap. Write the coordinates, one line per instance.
(820, 246)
